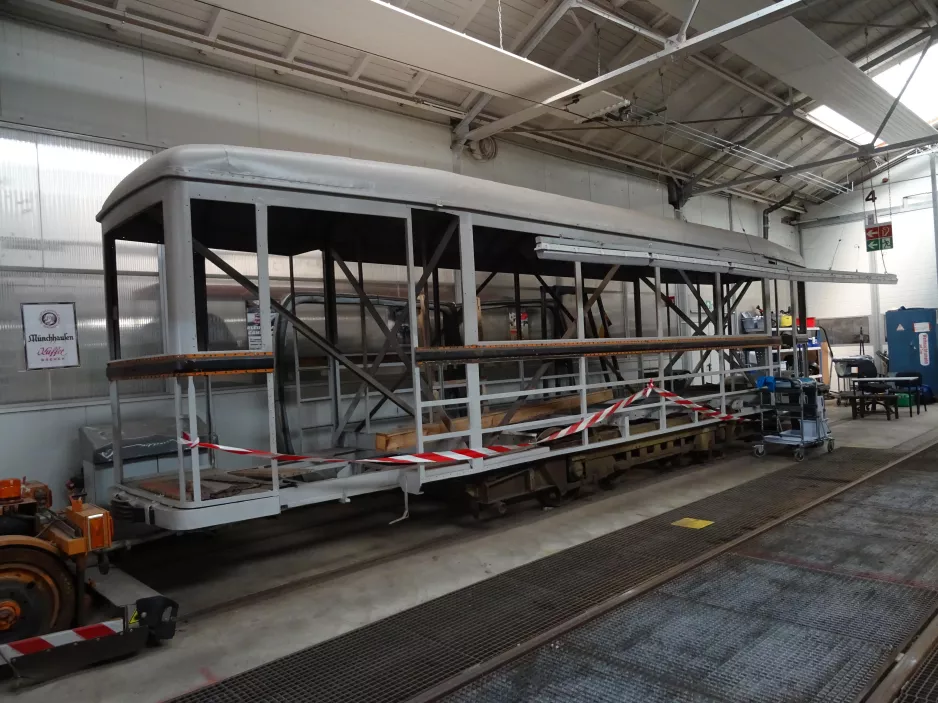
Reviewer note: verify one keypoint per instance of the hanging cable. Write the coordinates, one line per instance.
(501, 39)
(834, 255)
(599, 55)
(889, 183)
(882, 255)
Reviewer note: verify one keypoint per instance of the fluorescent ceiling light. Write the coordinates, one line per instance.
(834, 121)
(920, 97)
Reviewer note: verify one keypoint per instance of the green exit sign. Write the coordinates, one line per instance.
(879, 237)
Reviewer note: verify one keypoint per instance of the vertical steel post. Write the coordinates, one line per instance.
(180, 289)
(765, 318)
(194, 432)
(180, 450)
(414, 332)
(662, 409)
(581, 335)
(267, 342)
(364, 335)
(117, 439)
(519, 335)
(437, 337)
(793, 295)
(470, 322)
(718, 307)
(177, 235)
(933, 162)
(637, 302)
(543, 313)
(332, 331)
(210, 420)
(296, 364)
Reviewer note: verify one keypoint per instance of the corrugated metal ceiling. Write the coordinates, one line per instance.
(582, 44)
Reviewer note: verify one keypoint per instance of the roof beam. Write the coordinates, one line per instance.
(215, 22)
(361, 63)
(358, 67)
(564, 99)
(586, 33)
(802, 104)
(464, 20)
(805, 151)
(289, 53)
(697, 60)
(141, 25)
(733, 79)
(864, 152)
(685, 25)
(931, 8)
(797, 56)
(523, 46)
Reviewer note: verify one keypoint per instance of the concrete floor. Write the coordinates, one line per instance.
(331, 580)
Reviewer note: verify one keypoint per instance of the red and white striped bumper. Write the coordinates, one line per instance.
(34, 645)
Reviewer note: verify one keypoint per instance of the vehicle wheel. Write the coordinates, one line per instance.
(475, 509)
(550, 498)
(830, 446)
(500, 507)
(758, 450)
(838, 402)
(37, 593)
(799, 454)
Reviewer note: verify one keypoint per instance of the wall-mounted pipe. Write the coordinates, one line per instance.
(772, 208)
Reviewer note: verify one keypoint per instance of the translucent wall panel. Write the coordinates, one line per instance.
(51, 188)
(20, 220)
(75, 177)
(140, 333)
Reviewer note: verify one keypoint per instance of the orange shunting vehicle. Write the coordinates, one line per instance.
(43, 556)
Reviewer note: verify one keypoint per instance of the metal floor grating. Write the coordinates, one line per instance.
(812, 610)
(923, 686)
(396, 658)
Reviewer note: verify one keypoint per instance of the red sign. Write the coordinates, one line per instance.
(879, 231)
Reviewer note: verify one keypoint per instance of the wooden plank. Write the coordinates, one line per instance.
(405, 438)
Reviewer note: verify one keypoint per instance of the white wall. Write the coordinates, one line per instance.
(60, 81)
(912, 259)
(905, 200)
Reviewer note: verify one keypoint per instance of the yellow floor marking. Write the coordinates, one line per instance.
(692, 522)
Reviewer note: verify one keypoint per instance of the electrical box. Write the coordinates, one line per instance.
(910, 336)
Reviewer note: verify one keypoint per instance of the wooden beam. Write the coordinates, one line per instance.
(407, 437)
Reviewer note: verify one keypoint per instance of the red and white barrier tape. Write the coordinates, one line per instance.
(422, 458)
(33, 645)
(704, 410)
(598, 417)
(483, 452)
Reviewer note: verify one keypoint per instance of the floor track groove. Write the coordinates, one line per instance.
(400, 656)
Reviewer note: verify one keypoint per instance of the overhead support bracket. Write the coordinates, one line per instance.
(892, 108)
(866, 152)
(679, 193)
(685, 25)
(565, 99)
